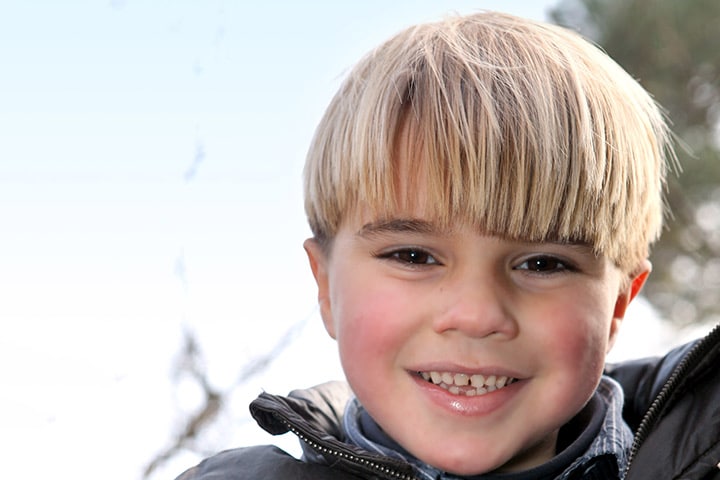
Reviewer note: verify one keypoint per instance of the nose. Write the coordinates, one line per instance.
(477, 306)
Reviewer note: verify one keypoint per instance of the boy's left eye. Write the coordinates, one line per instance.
(544, 264)
(411, 256)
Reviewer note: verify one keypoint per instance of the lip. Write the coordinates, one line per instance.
(475, 406)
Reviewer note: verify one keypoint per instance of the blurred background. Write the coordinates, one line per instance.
(152, 278)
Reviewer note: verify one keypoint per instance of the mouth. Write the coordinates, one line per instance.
(465, 384)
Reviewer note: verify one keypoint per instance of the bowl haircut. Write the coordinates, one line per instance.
(521, 129)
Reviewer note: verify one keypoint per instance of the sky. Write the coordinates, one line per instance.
(150, 184)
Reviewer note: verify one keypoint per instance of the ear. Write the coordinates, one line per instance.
(626, 295)
(318, 264)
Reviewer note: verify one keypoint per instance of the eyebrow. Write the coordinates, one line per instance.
(398, 225)
(424, 227)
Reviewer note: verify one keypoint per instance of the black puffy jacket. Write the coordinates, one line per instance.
(673, 406)
(672, 403)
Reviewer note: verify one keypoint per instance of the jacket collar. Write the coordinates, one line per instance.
(315, 416)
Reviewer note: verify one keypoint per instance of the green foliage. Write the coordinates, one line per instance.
(673, 48)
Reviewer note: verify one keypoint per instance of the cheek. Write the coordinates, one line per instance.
(575, 338)
(372, 325)
(584, 351)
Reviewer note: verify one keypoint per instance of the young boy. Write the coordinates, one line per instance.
(483, 193)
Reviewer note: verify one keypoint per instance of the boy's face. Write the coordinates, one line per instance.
(427, 322)
(471, 351)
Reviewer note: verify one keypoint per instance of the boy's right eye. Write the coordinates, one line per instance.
(411, 256)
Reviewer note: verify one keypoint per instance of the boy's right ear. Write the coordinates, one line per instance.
(318, 264)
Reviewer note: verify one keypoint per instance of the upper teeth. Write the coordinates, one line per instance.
(480, 383)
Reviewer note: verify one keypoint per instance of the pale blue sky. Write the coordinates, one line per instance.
(151, 154)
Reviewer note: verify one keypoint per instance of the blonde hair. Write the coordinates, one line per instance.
(523, 129)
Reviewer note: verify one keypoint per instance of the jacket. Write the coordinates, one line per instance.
(673, 406)
(671, 403)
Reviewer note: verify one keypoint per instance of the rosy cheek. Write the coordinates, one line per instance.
(372, 328)
(582, 350)
(367, 324)
(576, 338)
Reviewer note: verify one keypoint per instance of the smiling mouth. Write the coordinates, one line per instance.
(467, 385)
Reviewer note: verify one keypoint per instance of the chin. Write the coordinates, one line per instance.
(460, 466)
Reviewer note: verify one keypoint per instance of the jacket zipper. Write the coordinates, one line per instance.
(652, 415)
(387, 472)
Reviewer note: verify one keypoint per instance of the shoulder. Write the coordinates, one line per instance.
(679, 397)
(316, 412)
(642, 380)
(262, 461)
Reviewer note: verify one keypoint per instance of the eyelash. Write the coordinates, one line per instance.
(414, 257)
(538, 265)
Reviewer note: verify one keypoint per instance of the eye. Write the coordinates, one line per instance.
(411, 256)
(545, 264)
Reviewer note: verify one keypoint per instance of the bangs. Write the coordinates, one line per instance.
(522, 130)
(499, 188)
